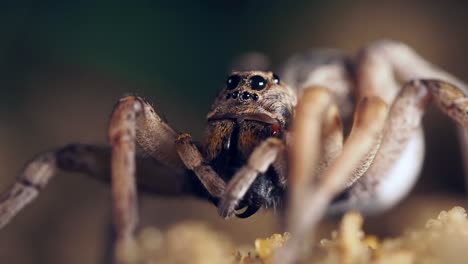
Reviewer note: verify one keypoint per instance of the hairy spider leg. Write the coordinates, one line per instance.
(358, 151)
(133, 120)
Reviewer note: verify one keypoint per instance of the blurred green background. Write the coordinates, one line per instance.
(64, 64)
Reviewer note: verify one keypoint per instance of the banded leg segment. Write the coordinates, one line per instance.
(88, 159)
(30, 182)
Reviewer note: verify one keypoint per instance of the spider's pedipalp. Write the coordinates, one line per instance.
(261, 158)
(193, 160)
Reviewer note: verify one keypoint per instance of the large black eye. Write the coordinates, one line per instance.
(257, 82)
(276, 79)
(232, 81)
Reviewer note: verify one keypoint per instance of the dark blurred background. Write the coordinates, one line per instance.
(64, 64)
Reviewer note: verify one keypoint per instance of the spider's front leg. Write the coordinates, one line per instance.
(311, 118)
(160, 170)
(133, 120)
(122, 135)
(310, 197)
(153, 135)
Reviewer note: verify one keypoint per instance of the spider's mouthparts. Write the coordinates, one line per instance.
(259, 117)
(250, 210)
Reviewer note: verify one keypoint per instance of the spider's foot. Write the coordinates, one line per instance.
(230, 207)
(227, 207)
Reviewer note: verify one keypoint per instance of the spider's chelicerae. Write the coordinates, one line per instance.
(273, 142)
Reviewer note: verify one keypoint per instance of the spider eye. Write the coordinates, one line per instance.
(276, 79)
(257, 82)
(232, 81)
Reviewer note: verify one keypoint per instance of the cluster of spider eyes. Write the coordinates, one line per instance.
(255, 82)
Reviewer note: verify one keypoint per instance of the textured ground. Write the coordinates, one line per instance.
(443, 239)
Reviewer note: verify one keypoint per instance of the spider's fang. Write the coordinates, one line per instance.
(249, 211)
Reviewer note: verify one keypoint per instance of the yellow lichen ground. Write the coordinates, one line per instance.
(442, 240)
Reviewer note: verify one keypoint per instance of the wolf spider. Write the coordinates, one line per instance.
(272, 142)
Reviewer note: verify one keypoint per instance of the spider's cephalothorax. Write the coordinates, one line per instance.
(252, 107)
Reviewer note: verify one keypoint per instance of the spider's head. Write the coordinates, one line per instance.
(257, 96)
(253, 106)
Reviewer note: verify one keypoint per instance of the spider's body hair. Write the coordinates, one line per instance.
(228, 146)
